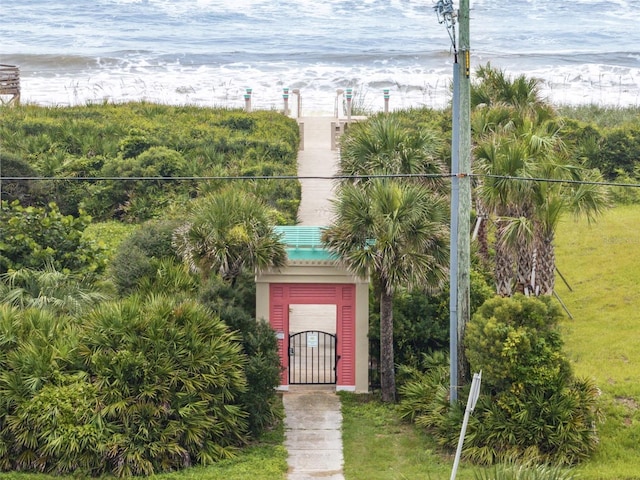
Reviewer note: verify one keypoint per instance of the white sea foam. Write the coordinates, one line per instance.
(207, 52)
(226, 86)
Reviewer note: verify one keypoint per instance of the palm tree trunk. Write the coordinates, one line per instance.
(524, 267)
(387, 367)
(546, 266)
(504, 266)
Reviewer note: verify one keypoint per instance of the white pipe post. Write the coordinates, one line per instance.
(247, 100)
(285, 97)
(474, 393)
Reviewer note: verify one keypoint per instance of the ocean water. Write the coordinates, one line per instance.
(208, 52)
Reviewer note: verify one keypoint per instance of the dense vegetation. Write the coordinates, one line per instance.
(540, 411)
(94, 333)
(134, 351)
(127, 143)
(533, 407)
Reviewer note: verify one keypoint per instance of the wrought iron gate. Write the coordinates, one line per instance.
(312, 358)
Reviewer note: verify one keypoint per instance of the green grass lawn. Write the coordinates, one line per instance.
(601, 263)
(378, 446)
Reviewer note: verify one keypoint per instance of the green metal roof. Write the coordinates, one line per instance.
(304, 243)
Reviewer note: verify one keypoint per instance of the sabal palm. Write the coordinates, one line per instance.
(383, 146)
(228, 232)
(63, 293)
(528, 209)
(552, 200)
(508, 201)
(494, 88)
(396, 232)
(518, 136)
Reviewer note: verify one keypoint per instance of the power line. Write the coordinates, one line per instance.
(324, 177)
(238, 177)
(557, 180)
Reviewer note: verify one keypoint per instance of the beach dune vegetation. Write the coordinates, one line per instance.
(97, 153)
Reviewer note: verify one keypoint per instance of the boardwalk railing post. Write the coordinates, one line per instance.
(285, 97)
(296, 92)
(336, 108)
(10, 84)
(301, 127)
(247, 100)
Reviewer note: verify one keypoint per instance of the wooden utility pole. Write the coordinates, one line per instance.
(460, 249)
(464, 218)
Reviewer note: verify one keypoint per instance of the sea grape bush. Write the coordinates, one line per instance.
(34, 237)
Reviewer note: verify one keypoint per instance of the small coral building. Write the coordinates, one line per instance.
(320, 313)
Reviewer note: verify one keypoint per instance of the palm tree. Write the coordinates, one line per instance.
(508, 201)
(527, 210)
(521, 94)
(582, 199)
(395, 231)
(383, 146)
(518, 136)
(60, 292)
(228, 232)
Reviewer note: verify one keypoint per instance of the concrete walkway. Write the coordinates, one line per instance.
(313, 433)
(316, 160)
(313, 420)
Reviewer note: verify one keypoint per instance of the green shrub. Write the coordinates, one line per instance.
(168, 376)
(143, 386)
(555, 424)
(59, 429)
(33, 237)
(143, 139)
(236, 307)
(263, 376)
(516, 342)
(49, 289)
(533, 407)
(626, 195)
(524, 471)
(36, 350)
(24, 191)
(135, 143)
(135, 193)
(419, 386)
(138, 255)
(421, 321)
(620, 150)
